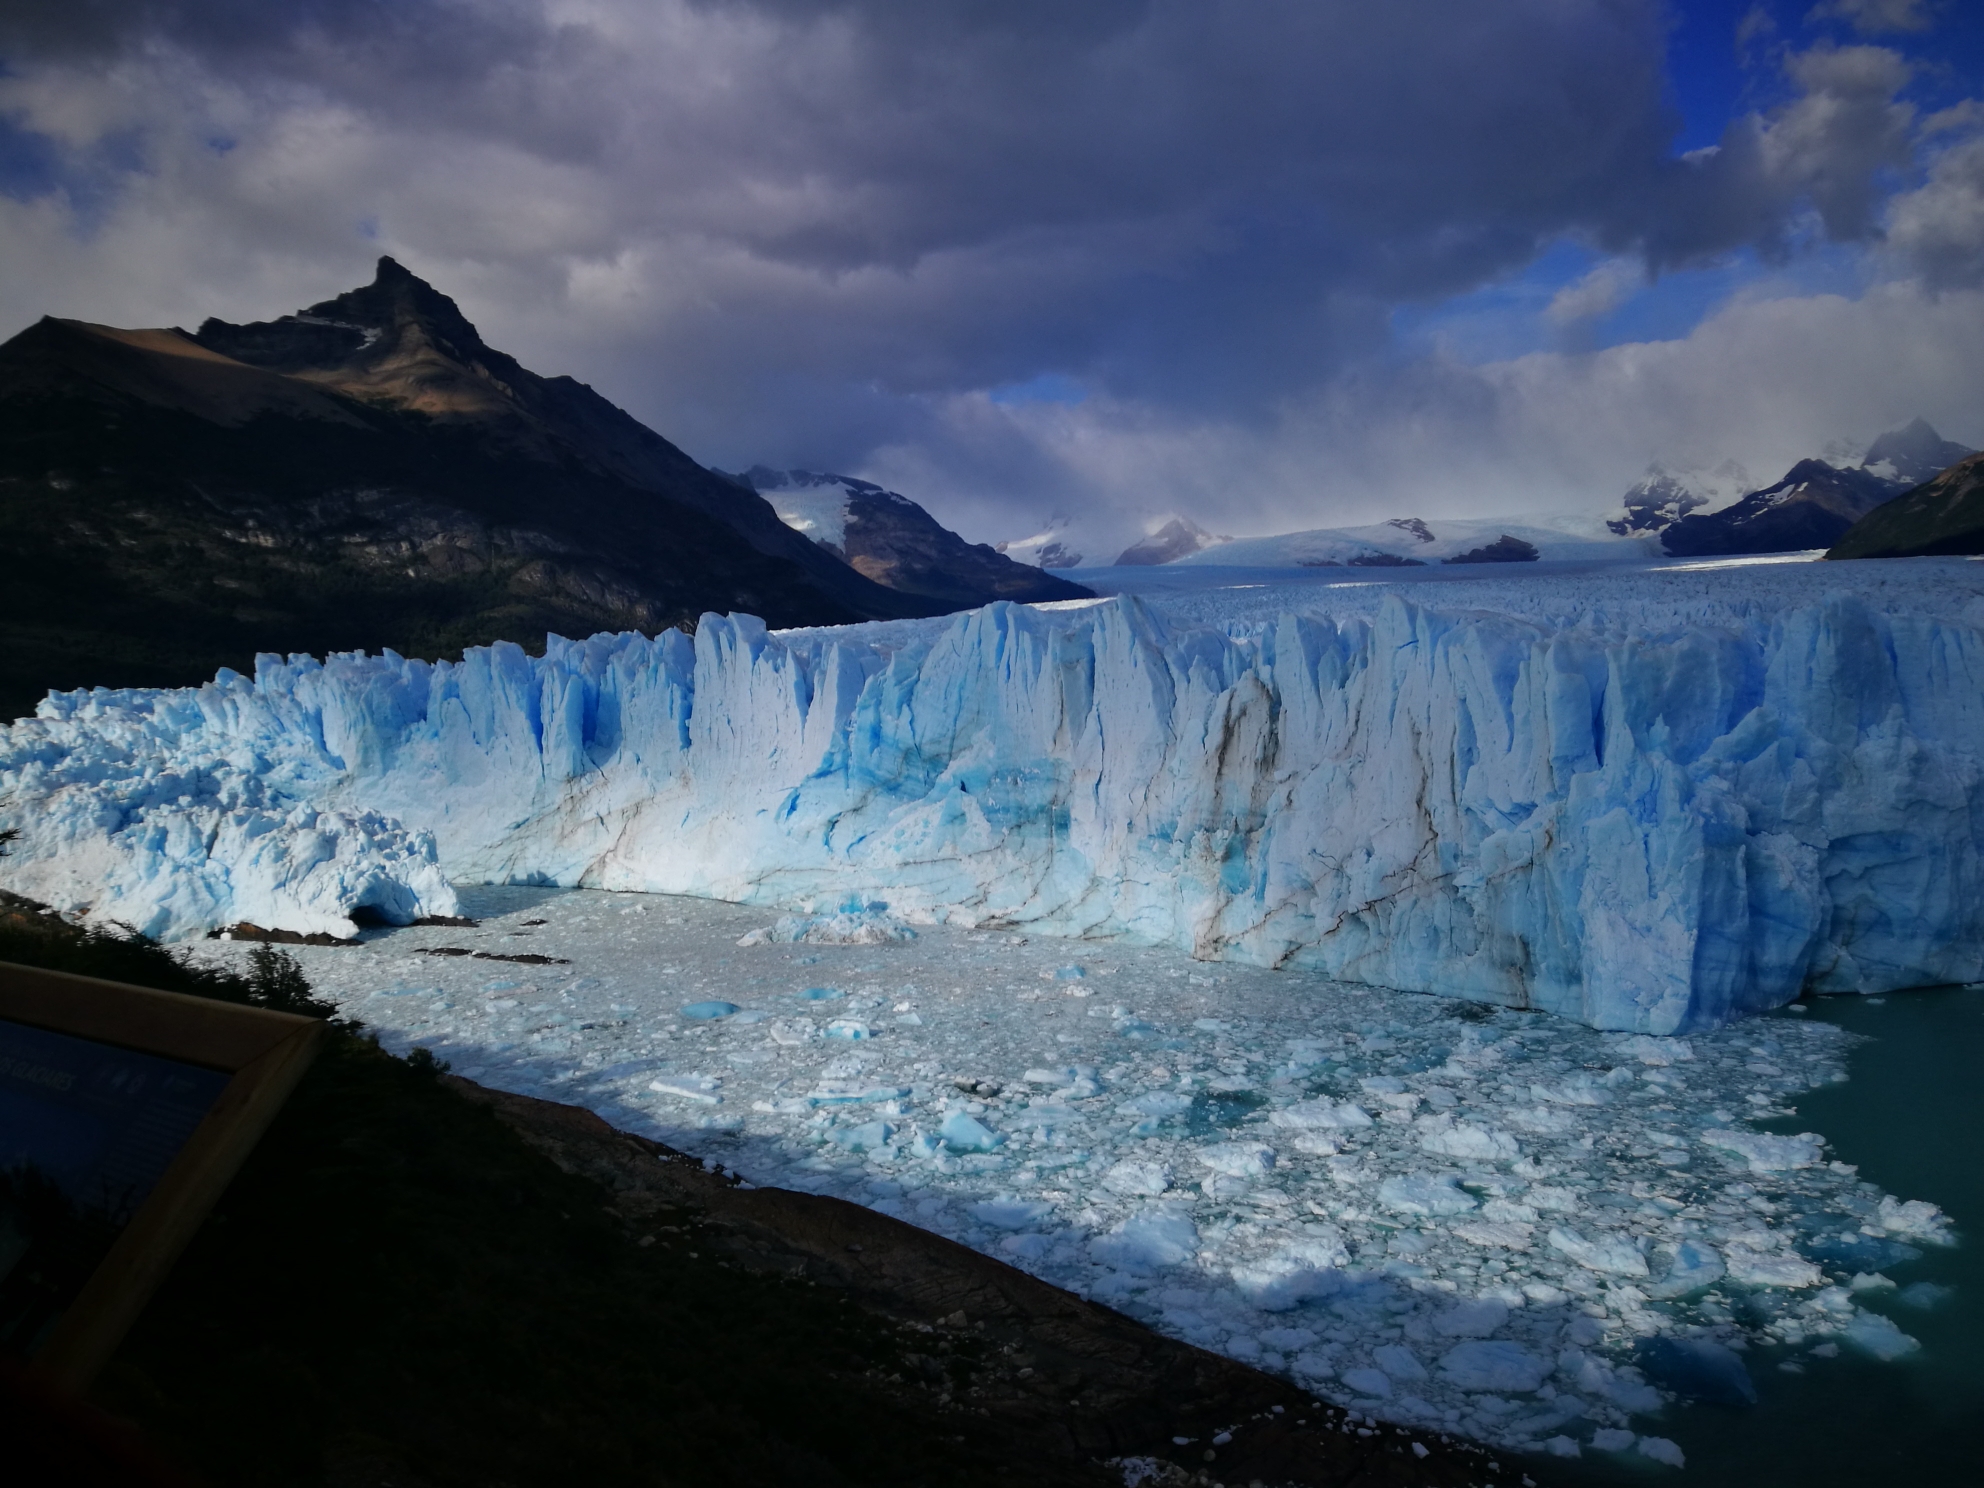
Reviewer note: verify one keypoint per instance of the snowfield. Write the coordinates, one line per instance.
(1650, 801)
(1492, 1221)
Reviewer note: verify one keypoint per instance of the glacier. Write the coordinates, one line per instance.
(1645, 811)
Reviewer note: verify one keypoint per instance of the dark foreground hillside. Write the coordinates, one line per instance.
(415, 1281)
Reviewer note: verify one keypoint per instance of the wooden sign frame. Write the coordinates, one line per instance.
(264, 1052)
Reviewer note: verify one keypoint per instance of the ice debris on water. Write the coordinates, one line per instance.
(1766, 1152)
(852, 924)
(1255, 1182)
(1645, 801)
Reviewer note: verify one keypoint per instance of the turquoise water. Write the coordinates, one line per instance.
(1911, 1116)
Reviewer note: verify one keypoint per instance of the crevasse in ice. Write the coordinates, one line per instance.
(1651, 826)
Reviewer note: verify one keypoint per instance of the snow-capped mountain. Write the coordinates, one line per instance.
(890, 539)
(1662, 496)
(1812, 507)
(1178, 538)
(1413, 542)
(1062, 542)
(1908, 456)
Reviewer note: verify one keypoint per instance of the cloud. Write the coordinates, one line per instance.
(1597, 294)
(1938, 228)
(1876, 17)
(820, 233)
(1766, 381)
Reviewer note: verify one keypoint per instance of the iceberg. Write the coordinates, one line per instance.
(1651, 818)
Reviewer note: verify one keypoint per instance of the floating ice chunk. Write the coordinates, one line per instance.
(1612, 1439)
(700, 1088)
(1879, 1336)
(1622, 1386)
(1131, 1178)
(1315, 1144)
(1075, 1082)
(1693, 1267)
(1924, 1296)
(1770, 1268)
(1553, 1198)
(1564, 1446)
(1398, 1361)
(1009, 1214)
(1159, 1237)
(709, 1011)
(851, 1092)
(1425, 1193)
(1577, 1090)
(1916, 1218)
(1497, 1365)
(1296, 1273)
(1311, 1114)
(1069, 973)
(1157, 1103)
(1501, 1233)
(1390, 1090)
(1660, 1449)
(870, 1136)
(1468, 1141)
(1475, 1319)
(1617, 1255)
(848, 1028)
(1766, 1153)
(962, 1132)
(1237, 1159)
(869, 924)
(1544, 1121)
(1372, 1382)
(1697, 1369)
(1652, 1049)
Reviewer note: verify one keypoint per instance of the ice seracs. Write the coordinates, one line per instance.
(1648, 816)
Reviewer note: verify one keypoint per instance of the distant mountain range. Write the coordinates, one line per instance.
(1667, 513)
(365, 473)
(1415, 542)
(1816, 502)
(895, 542)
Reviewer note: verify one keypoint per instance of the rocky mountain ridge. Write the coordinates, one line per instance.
(1944, 515)
(892, 540)
(1813, 506)
(367, 473)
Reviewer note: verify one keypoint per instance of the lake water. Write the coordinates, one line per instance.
(1911, 1116)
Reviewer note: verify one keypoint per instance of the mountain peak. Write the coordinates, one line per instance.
(386, 319)
(1912, 454)
(395, 299)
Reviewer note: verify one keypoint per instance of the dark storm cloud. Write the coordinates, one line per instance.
(433, 38)
(786, 230)
(1193, 201)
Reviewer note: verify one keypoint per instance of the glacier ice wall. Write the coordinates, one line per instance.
(1640, 828)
